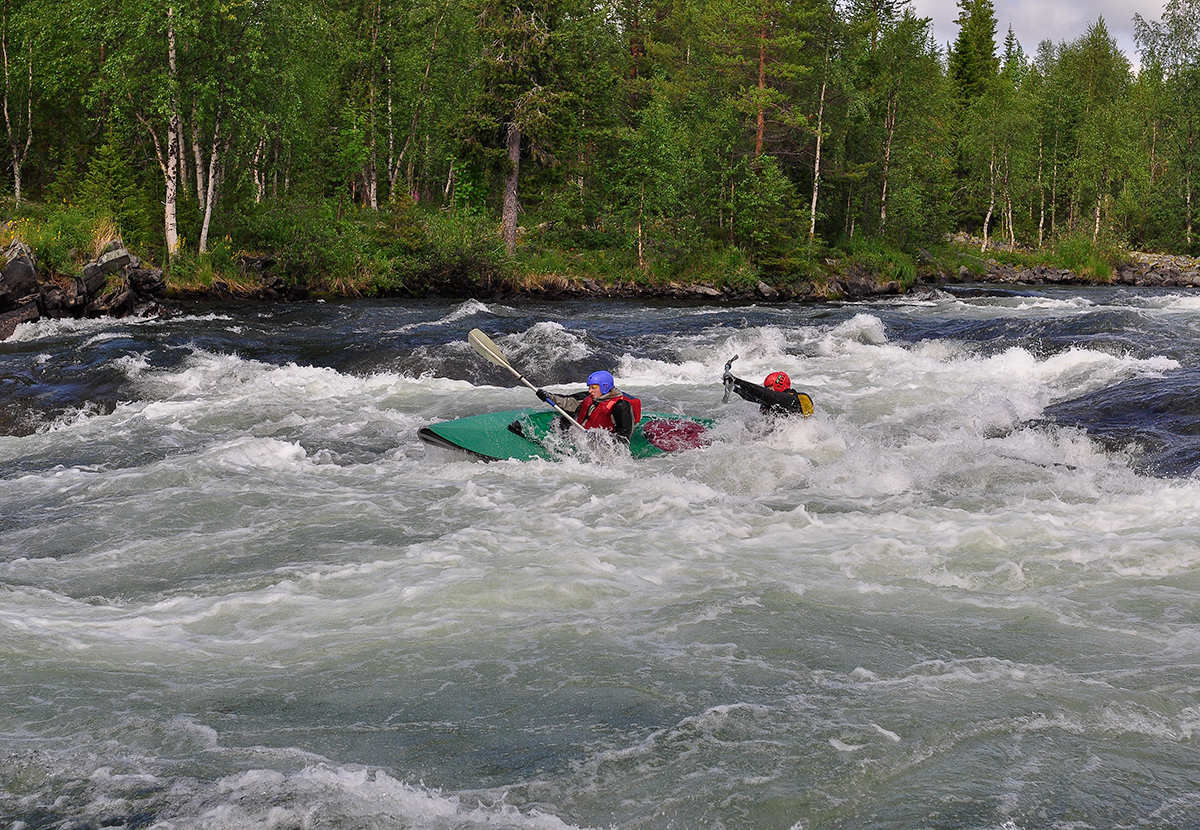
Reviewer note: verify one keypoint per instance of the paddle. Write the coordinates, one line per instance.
(728, 383)
(490, 351)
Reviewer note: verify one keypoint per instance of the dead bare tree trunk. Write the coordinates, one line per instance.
(508, 224)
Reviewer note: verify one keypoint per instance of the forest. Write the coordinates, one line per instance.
(377, 147)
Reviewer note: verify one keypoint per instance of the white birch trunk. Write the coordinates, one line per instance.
(1187, 186)
(1041, 196)
(182, 153)
(760, 126)
(1054, 185)
(641, 260)
(260, 179)
(987, 220)
(170, 204)
(395, 163)
(889, 124)
(812, 213)
(1008, 205)
(18, 152)
(210, 195)
(198, 158)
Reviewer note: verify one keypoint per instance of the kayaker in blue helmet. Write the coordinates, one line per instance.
(602, 406)
(775, 397)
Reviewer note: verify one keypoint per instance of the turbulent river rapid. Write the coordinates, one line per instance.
(236, 591)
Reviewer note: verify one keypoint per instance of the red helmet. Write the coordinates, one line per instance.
(779, 381)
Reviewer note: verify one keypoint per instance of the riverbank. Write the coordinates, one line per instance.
(116, 283)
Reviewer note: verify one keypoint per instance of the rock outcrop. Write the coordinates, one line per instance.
(114, 285)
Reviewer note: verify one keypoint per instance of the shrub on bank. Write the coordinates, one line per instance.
(883, 260)
(61, 237)
(404, 249)
(1070, 251)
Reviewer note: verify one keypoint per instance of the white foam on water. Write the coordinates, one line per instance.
(470, 308)
(344, 797)
(807, 611)
(107, 328)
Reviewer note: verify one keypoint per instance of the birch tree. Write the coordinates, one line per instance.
(17, 51)
(141, 79)
(907, 90)
(1098, 76)
(1172, 46)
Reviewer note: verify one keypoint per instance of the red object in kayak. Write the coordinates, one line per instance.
(675, 435)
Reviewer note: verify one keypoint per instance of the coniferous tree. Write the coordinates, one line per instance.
(973, 62)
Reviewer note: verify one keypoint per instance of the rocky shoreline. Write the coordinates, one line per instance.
(1153, 270)
(116, 284)
(113, 285)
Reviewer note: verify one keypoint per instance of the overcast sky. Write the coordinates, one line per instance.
(1033, 21)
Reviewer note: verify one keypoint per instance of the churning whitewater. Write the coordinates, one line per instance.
(237, 591)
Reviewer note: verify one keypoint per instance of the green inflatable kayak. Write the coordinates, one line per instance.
(533, 433)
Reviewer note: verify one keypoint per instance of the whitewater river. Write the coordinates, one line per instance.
(236, 591)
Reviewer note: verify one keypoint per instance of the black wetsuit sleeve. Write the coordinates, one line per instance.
(622, 415)
(769, 399)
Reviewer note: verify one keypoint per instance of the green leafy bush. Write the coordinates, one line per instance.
(886, 262)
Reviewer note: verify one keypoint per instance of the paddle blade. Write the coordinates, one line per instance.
(487, 349)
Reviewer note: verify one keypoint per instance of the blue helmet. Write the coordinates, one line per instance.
(602, 379)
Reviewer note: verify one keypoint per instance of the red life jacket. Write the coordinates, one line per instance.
(597, 414)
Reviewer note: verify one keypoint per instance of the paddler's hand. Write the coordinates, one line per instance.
(544, 396)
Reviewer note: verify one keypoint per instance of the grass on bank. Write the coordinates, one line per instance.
(404, 250)
(1075, 252)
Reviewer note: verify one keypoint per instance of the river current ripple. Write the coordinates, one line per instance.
(237, 591)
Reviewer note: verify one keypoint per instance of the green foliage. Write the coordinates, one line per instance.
(60, 236)
(1079, 253)
(111, 190)
(884, 261)
(973, 62)
(672, 143)
(310, 241)
(459, 243)
(764, 206)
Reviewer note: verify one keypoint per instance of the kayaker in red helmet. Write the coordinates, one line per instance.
(602, 406)
(775, 397)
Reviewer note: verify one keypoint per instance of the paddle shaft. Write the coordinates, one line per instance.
(490, 351)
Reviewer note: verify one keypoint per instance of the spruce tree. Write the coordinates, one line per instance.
(973, 61)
